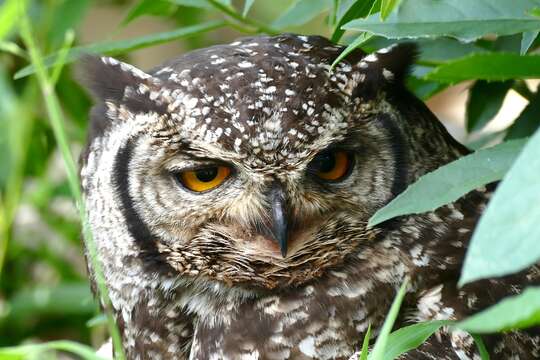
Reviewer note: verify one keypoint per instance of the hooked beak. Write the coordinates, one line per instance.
(279, 225)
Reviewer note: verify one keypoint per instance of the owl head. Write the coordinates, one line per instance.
(253, 163)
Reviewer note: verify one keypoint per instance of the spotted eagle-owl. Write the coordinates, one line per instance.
(228, 192)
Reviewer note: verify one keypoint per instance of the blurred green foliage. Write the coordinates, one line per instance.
(44, 292)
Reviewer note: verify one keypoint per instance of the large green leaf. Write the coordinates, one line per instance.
(463, 19)
(516, 312)
(488, 66)
(484, 102)
(300, 12)
(123, 46)
(527, 122)
(452, 181)
(507, 235)
(410, 337)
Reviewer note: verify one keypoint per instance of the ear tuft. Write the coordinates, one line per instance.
(385, 67)
(107, 78)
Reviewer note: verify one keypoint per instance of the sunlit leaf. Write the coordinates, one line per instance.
(488, 66)
(9, 15)
(515, 312)
(506, 237)
(462, 19)
(451, 181)
(122, 46)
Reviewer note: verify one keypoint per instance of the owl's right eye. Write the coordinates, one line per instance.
(204, 179)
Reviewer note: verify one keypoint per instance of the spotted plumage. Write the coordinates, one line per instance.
(228, 192)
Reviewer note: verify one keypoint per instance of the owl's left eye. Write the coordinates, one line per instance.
(332, 165)
(204, 179)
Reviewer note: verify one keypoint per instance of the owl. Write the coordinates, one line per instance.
(228, 192)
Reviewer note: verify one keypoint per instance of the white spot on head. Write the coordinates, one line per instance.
(371, 58)
(388, 75)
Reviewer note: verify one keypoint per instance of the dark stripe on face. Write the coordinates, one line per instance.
(136, 226)
(398, 147)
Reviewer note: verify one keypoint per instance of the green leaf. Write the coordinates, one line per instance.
(451, 181)
(352, 46)
(247, 6)
(463, 19)
(527, 38)
(65, 299)
(515, 312)
(123, 46)
(488, 66)
(66, 17)
(484, 102)
(202, 4)
(484, 354)
(13, 48)
(349, 10)
(25, 351)
(387, 6)
(410, 337)
(148, 7)
(379, 349)
(365, 344)
(301, 12)
(506, 238)
(9, 15)
(527, 122)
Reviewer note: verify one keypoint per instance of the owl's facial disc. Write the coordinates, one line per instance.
(262, 139)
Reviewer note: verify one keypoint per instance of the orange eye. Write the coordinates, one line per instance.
(331, 165)
(204, 179)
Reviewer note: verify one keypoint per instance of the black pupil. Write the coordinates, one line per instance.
(207, 175)
(325, 162)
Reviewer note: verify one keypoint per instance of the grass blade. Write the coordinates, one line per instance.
(365, 345)
(57, 122)
(379, 348)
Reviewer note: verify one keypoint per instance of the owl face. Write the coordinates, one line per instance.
(253, 162)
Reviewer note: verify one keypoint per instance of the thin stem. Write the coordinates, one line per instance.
(57, 122)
